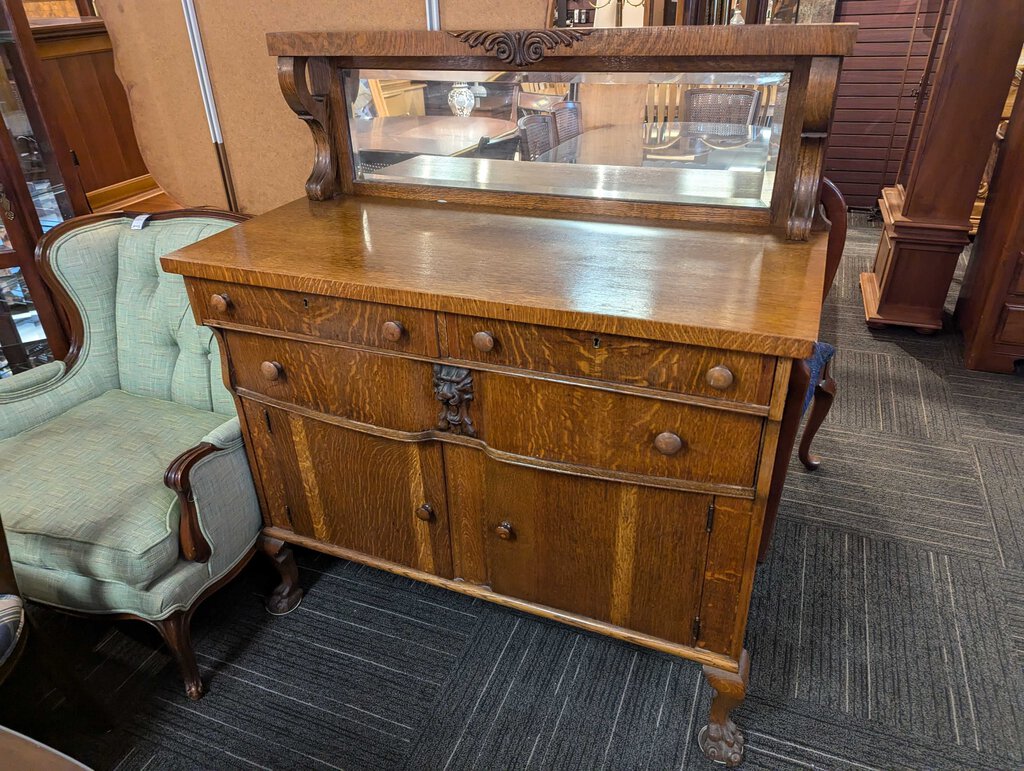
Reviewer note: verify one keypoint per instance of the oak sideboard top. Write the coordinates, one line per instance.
(730, 287)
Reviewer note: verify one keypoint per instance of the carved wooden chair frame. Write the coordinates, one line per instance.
(194, 547)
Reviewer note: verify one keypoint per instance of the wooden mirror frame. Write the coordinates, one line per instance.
(310, 66)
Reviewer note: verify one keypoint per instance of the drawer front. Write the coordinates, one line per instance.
(386, 391)
(735, 376)
(366, 493)
(349, 321)
(1012, 329)
(619, 553)
(606, 430)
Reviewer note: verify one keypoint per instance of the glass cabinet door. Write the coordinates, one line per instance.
(35, 165)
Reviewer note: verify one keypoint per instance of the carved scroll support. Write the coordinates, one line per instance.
(810, 164)
(296, 74)
(453, 387)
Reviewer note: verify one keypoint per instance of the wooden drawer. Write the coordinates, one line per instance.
(350, 489)
(619, 553)
(607, 430)
(350, 321)
(1012, 329)
(386, 391)
(736, 376)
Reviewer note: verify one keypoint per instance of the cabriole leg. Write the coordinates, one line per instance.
(175, 630)
(720, 739)
(824, 394)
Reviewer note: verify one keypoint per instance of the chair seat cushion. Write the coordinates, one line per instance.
(12, 624)
(823, 353)
(84, 492)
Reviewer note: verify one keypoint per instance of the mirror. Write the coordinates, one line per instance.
(693, 138)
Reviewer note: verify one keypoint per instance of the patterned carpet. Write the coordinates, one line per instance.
(887, 627)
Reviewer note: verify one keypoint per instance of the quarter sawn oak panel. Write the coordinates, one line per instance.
(581, 353)
(353, 490)
(586, 546)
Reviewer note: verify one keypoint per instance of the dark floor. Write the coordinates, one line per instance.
(887, 627)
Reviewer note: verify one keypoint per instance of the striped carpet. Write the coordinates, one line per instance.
(887, 627)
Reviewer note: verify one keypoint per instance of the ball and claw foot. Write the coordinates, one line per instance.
(722, 744)
(288, 594)
(720, 740)
(283, 601)
(195, 690)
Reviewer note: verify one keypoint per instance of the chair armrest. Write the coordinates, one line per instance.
(24, 384)
(223, 442)
(225, 436)
(194, 546)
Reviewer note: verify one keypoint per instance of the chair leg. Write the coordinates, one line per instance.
(288, 594)
(824, 394)
(176, 631)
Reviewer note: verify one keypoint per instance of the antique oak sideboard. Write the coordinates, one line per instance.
(571, 389)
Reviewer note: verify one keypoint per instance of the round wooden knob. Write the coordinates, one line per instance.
(719, 377)
(271, 370)
(505, 531)
(483, 341)
(668, 443)
(392, 330)
(220, 302)
(425, 512)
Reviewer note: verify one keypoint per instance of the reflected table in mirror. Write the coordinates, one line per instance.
(715, 145)
(426, 134)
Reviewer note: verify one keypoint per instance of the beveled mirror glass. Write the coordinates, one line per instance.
(695, 138)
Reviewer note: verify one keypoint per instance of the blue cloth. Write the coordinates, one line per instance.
(823, 353)
(12, 624)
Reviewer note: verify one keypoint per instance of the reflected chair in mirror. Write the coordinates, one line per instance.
(377, 160)
(568, 121)
(502, 149)
(722, 105)
(126, 486)
(821, 388)
(664, 103)
(536, 135)
(531, 103)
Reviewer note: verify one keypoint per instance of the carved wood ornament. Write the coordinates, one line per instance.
(453, 387)
(521, 47)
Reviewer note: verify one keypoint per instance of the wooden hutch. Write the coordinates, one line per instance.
(570, 388)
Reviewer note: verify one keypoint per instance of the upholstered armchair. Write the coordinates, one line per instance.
(126, 486)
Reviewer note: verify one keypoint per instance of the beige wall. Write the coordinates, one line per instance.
(269, 149)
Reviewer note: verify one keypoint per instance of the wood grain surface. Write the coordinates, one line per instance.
(738, 288)
(724, 40)
(585, 546)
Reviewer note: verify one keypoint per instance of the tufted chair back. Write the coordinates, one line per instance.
(161, 351)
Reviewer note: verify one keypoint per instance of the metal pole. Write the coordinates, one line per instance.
(433, 14)
(195, 40)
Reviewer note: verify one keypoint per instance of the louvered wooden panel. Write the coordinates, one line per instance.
(876, 94)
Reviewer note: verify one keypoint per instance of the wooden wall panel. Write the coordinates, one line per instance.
(93, 108)
(875, 98)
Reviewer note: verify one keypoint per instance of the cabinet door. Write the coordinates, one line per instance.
(628, 555)
(351, 489)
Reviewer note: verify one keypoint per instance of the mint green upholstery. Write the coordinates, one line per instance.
(90, 524)
(114, 452)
